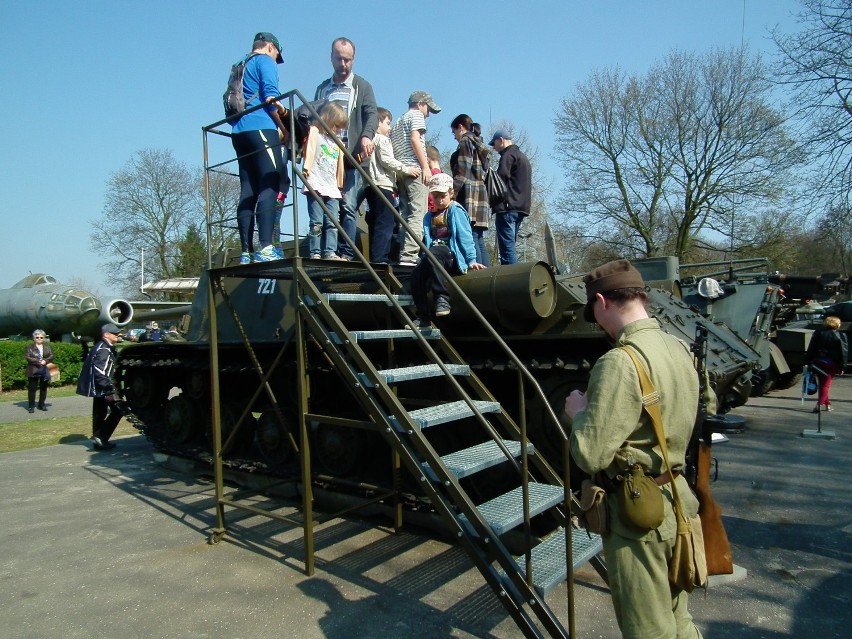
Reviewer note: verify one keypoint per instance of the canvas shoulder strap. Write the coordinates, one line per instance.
(651, 405)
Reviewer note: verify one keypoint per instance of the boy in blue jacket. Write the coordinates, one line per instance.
(447, 236)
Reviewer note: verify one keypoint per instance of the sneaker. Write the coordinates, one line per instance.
(97, 444)
(44, 408)
(442, 306)
(245, 258)
(421, 323)
(279, 252)
(266, 254)
(334, 257)
(828, 408)
(30, 409)
(407, 263)
(316, 256)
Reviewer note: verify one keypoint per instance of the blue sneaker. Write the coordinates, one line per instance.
(245, 258)
(279, 252)
(266, 254)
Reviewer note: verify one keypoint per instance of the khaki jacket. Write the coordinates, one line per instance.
(613, 430)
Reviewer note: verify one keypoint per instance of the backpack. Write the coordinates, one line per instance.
(234, 100)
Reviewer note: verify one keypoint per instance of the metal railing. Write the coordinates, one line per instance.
(525, 378)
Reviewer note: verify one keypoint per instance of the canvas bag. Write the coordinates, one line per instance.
(494, 187)
(594, 508)
(688, 564)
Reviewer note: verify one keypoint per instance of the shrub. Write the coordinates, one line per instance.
(13, 365)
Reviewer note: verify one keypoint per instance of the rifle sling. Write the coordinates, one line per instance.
(651, 405)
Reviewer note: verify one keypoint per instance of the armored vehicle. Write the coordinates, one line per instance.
(313, 371)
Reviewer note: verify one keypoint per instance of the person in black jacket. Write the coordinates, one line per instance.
(827, 355)
(516, 173)
(96, 382)
(38, 356)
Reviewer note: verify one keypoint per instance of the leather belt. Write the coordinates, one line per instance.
(666, 477)
(602, 480)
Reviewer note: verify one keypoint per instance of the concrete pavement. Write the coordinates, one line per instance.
(114, 545)
(11, 412)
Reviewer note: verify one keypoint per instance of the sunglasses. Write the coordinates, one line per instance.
(39, 337)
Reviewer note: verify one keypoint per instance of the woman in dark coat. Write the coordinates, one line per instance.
(468, 165)
(39, 355)
(828, 352)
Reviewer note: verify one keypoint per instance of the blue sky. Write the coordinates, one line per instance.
(89, 83)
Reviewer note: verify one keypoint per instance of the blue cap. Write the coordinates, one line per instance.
(500, 133)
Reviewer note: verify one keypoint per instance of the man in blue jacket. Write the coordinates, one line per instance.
(355, 95)
(96, 382)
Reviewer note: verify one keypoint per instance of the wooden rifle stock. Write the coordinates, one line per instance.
(716, 545)
(699, 460)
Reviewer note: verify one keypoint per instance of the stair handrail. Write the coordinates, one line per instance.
(526, 376)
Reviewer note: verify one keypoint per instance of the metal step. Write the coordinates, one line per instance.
(398, 333)
(434, 415)
(464, 463)
(403, 300)
(507, 511)
(548, 558)
(394, 375)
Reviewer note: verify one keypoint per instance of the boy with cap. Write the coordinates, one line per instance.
(408, 137)
(611, 431)
(447, 236)
(96, 382)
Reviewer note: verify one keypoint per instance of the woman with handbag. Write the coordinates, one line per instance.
(38, 355)
(827, 355)
(468, 164)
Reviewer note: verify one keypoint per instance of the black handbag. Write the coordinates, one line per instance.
(494, 187)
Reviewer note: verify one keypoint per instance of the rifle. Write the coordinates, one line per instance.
(697, 471)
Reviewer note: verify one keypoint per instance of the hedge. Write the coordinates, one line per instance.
(68, 357)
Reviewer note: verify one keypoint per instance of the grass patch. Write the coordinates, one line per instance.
(37, 433)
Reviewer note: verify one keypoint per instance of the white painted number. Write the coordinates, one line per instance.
(265, 287)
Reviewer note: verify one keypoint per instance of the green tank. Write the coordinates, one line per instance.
(537, 312)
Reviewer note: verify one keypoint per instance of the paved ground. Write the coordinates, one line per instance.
(72, 406)
(114, 545)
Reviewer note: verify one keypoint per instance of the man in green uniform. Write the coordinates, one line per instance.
(611, 431)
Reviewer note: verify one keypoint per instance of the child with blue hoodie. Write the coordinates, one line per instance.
(447, 236)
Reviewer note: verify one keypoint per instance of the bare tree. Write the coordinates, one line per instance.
(655, 161)
(817, 63)
(224, 194)
(149, 204)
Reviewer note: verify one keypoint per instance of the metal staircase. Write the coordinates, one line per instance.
(387, 394)
(410, 385)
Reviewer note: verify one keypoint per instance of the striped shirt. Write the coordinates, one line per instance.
(411, 120)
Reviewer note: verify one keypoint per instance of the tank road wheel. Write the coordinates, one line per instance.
(763, 381)
(143, 389)
(183, 419)
(339, 449)
(271, 438)
(787, 380)
(542, 432)
(230, 414)
(196, 385)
